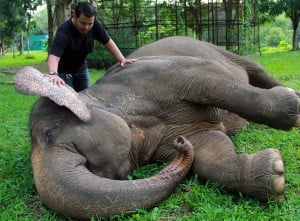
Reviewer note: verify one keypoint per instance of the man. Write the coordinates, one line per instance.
(73, 42)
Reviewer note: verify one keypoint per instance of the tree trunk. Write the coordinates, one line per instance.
(2, 52)
(228, 6)
(50, 24)
(295, 16)
(62, 11)
(13, 47)
(295, 39)
(21, 47)
(94, 2)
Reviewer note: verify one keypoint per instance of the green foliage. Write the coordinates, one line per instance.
(272, 33)
(274, 37)
(269, 9)
(282, 46)
(15, 17)
(41, 22)
(191, 200)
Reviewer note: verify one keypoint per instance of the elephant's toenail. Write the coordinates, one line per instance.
(280, 199)
(290, 89)
(297, 123)
(278, 166)
(279, 185)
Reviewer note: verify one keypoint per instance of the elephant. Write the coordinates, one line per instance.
(181, 101)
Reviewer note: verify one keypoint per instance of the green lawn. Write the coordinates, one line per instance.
(27, 58)
(190, 201)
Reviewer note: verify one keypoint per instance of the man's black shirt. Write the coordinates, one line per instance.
(73, 47)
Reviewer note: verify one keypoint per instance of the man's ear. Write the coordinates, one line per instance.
(29, 80)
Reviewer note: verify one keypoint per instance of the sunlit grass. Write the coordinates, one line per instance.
(284, 66)
(191, 200)
(27, 58)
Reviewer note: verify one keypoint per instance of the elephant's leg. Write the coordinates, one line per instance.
(214, 85)
(258, 76)
(260, 175)
(234, 123)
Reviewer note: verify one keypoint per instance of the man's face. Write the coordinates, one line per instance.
(83, 24)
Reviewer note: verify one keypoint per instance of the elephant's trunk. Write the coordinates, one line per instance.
(74, 191)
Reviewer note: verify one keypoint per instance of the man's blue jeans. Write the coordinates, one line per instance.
(79, 81)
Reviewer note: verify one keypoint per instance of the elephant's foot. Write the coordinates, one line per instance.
(265, 176)
(297, 123)
(283, 111)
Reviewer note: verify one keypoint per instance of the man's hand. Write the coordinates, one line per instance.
(127, 61)
(55, 79)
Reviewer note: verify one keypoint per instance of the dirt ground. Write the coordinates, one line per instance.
(11, 70)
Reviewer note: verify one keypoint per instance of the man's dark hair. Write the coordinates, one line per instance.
(85, 8)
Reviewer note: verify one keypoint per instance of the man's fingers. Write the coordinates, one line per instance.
(56, 80)
(130, 61)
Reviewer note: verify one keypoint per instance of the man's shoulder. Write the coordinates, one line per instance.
(65, 27)
(64, 31)
(98, 25)
(99, 32)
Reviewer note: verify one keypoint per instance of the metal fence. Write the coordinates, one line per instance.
(232, 24)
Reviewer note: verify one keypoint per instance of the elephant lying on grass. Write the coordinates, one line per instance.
(85, 144)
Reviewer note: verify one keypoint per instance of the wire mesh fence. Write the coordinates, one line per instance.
(232, 24)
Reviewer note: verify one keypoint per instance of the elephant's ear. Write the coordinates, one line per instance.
(29, 80)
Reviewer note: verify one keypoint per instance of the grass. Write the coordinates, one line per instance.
(27, 58)
(191, 200)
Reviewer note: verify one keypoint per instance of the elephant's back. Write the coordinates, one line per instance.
(162, 70)
(154, 81)
(188, 46)
(179, 46)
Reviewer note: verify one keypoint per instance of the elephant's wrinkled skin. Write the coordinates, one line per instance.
(178, 87)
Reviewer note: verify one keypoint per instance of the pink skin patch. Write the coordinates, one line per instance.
(29, 80)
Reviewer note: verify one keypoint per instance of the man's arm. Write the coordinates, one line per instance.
(113, 48)
(53, 63)
(52, 68)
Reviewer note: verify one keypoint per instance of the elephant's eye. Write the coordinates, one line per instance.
(48, 136)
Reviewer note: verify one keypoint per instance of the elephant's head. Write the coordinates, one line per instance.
(77, 150)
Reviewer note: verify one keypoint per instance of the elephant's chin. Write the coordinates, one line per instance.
(69, 188)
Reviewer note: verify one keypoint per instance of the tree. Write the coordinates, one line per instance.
(12, 21)
(275, 36)
(15, 18)
(271, 8)
(294, 13)
(50, 23)
(62, 11)
(40, 20)
(267, 32)
(28, 6)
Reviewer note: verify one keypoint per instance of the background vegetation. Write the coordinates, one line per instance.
(191, 200)
(21, 18)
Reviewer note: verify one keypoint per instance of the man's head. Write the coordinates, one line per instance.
(83, 17)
